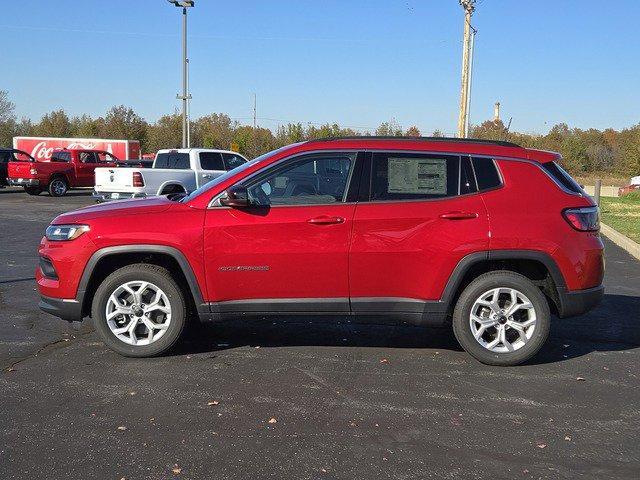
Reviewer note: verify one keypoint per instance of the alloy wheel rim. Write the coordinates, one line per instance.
(502, 320)
(58, 187)
(138, 313)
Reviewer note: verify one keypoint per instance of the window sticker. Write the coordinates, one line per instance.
(418, 175)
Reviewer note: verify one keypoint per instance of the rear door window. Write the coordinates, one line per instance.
(414, 176)
(211, 161)
(232, 161)
(61, 157)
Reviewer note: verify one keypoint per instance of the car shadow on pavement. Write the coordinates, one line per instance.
(20, 191)
(612, 326)
(311, 331)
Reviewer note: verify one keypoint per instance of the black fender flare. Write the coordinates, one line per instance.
(468, 261)
(176, 254)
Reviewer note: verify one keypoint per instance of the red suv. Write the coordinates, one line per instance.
(488, 237)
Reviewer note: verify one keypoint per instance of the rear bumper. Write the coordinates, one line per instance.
(101, 197)
(577, 302)
(67, 309)
(24, 182)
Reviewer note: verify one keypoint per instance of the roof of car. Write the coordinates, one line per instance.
(424, 139)
(471, 146)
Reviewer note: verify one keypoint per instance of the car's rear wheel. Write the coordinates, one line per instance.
(139, 310)
(33, 190)
(501, 318)
(58, 187)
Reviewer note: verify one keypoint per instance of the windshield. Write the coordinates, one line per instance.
(224, 177)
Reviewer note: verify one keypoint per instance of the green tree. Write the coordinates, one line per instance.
(122, 123)
(165, 133)
(412, 132)
(389, 129)
(54, 124)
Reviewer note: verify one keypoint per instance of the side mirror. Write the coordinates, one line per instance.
(236, 197)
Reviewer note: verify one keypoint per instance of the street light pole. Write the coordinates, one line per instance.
(186, 96)
(467, 53)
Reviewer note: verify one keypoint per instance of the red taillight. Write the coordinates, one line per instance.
(585, 219)
(138, 181)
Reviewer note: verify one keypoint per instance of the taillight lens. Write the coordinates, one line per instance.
(585, 219)
(138, 181)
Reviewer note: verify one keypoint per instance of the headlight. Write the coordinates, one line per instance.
(58, 233)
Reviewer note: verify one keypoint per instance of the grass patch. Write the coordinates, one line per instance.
(622, 214)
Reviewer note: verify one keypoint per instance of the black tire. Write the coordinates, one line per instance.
(484, 283)
(58, 187)
(157, 276)
(33, 190)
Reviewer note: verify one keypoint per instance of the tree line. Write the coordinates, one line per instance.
(611, 152)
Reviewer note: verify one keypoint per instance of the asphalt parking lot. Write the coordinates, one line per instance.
(308, 399)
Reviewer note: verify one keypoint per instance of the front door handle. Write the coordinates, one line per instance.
(325, 220)
(459, 215)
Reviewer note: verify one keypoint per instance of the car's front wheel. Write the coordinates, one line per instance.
(139, 310)
(501, 318)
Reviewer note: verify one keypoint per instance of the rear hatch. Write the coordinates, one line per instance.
(116, 180)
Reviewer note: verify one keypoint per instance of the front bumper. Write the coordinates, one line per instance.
(24, 182)
(101, 197)
(67, 309)
(577, 302)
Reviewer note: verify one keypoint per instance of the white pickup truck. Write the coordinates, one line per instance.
(179, 170)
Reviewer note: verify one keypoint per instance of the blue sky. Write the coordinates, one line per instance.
(357, 63)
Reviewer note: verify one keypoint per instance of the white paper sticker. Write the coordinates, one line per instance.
(418, 175)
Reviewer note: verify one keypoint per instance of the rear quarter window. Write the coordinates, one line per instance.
(562, 177)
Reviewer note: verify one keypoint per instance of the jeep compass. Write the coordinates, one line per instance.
(488, 238)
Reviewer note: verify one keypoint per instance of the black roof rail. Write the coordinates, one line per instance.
(426, 139)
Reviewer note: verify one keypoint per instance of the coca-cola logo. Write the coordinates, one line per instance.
(42, 152)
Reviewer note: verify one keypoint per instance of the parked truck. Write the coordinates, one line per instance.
(41, 148)
(174, 171)
(66, 168)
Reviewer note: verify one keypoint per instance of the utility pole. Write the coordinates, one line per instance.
(185, 97)
(467, 62)
(254, 111)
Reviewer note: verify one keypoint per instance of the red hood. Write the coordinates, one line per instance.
(115, 209)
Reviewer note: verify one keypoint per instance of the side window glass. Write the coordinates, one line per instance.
(88, 157)
(310, 181)
(232, 161)
(211, 161)
(179, 161)
(486, 173)
(61, 157)
(467, 180)
(408, 176)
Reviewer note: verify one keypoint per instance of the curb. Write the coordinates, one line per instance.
(624, 242)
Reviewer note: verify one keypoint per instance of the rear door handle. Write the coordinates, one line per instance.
(459, 215)
(325, 220)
